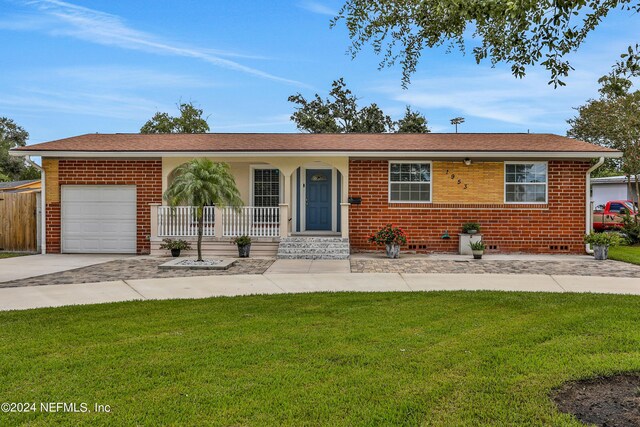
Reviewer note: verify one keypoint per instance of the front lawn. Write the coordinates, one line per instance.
(12, 254)
(629, 254)
(438, 358)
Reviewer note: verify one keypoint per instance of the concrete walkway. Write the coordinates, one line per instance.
(314, 266)
(278, 283)
(23, 267)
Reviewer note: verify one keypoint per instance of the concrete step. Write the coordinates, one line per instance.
(299, 247)
(312, 256)
(313, 251)
(328, 246)
(313, 239)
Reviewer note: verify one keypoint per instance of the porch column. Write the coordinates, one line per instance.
(284, 207)
(284, 219)
(344, 220)
(217, 222)
(344, 203)
(153, 235)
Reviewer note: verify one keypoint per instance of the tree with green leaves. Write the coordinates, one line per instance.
(412, 122)
(14, 168)
(613, 120)
(190, 120)
(201, 182)
(340, 113)
(519, 33)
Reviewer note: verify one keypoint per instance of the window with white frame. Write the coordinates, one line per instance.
(525, 182)
(410, 182)
(266, 187)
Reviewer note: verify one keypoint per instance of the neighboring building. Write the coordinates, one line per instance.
(104, 191)
(28, 186)
(612, 188)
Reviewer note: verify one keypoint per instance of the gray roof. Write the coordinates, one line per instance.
(620, 179)
(12, 184)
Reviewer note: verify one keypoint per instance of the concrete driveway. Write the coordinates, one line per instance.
(23, 267)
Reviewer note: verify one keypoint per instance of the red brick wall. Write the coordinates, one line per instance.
(52, 227)
(146, 175)
(510, 228)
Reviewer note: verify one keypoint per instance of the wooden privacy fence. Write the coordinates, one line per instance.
(18, 222)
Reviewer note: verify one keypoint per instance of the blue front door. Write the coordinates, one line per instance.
(318, 199)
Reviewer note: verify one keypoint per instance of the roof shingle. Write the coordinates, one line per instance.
(13, 184)
(274, 142)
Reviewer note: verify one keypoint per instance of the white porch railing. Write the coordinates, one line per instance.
(180, 221)
(251, 221)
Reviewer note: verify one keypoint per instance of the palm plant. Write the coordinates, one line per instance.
(201, 182)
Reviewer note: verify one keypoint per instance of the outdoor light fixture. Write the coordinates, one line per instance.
(467, 161)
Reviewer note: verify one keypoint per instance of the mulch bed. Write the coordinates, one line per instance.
(135, 268)
(604, 401)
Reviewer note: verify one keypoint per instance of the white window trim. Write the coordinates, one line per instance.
(425, 162)
(252, 174)
(524, 162)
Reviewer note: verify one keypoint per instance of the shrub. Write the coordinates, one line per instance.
(175, 244)
(631, 227)
(604, 239)
(478, 246)
(467, 226)
(242, 240)
(389, 235)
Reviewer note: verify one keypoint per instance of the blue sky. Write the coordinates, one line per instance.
(70, 68)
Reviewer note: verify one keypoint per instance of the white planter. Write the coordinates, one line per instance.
(477, 254)
(600, 252)
(393, 251)
(465, 240)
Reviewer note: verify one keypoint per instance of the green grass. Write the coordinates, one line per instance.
(12, 254)
(438, 358)
(629, 254)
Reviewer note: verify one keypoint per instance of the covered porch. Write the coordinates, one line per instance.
(283, 197)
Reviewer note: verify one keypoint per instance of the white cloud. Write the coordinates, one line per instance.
(79, 103)
(115, 76)
(316, 7)
(67, 19)
(496, 95)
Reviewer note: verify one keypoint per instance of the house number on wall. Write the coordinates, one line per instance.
(459, 181)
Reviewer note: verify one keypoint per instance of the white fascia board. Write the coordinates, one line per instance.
(363, 154)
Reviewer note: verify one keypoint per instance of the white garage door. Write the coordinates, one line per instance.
(98, 218)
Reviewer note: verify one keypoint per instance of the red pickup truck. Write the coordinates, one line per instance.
(609, 216)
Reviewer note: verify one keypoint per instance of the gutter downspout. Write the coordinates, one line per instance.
(587, 225)
(43, 228)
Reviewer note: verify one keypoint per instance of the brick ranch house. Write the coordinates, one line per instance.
(103, 192)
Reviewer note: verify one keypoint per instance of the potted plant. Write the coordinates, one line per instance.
(477, 248)
(392, 237)
(470, 228)
(244, 246)
(175, 246)
(601, 243)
